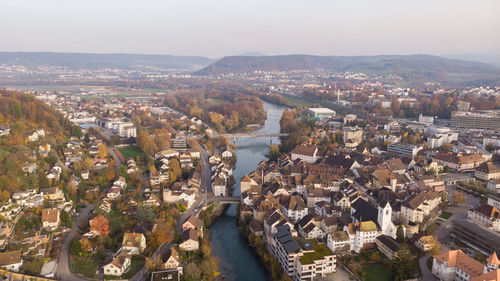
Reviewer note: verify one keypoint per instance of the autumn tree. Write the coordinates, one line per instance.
(102, 151)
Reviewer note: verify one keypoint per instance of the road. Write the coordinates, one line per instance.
(63, 268)
(426, 273)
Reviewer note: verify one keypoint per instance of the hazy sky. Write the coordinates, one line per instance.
(217, 28)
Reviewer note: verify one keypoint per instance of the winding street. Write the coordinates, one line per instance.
(63, 267)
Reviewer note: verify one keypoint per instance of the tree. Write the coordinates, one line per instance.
(402, 266)
(400, 234)
(103, 151)
(86, 139)
(145, 213)
(175, 168)
(274, 152)
(153, 263)
(458, 197)
(437, 247)
(490, 147)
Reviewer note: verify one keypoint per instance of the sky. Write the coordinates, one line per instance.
(217, 28)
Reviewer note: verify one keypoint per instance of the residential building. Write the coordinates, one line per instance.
(426, 243)
(11, 261)
(487, 171)
(485, 215)
(361, 233)
(189, 240)
(133, 243)
(456, 265)
(50, 219)
(352, 137)
(119, 265)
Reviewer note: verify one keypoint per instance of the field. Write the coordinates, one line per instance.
(130, 152)
(377, 272)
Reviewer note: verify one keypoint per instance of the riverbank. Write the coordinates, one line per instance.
(237, 259)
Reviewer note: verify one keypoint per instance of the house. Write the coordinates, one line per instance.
(172, 260)
(294, 207)
(100, 225)
(419, 206)
(189, 197)
(285, 249)
(133, 243)
(153, 200)
(426, 243)
(4, 130)
(309, 229)
(193, 222)
(219, 185)
(307, 153)
(456, 265)
(29, 168)
(189, 240)
(11, 261)
(50, 219)
(487, 171)
(339, 242)
(227, 153)
(52, 194)
(387, 245)
(119, 265)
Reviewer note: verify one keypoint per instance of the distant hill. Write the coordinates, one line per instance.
(493, 59)
(412, 67)
(96, 61)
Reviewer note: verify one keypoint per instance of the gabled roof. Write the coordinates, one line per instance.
(457, 258)
(195, 221)
(11, 257)
(307, 150)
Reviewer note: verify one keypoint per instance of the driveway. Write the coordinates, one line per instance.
(63, 268)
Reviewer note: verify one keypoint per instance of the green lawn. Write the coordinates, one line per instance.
(85, 266)
(137, 264)
(130, 152)
(377, 272)
(446, 215)
(294, 101)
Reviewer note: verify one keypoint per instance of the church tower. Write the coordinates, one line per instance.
(492, 263)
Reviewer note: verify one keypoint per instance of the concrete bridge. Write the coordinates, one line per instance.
(225, 199)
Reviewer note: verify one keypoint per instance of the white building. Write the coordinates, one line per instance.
(119, 265)
(321, 112)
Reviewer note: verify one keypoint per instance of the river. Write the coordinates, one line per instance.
(237, 260)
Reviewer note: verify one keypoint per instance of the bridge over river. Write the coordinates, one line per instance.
(224, 199)
(251, 135)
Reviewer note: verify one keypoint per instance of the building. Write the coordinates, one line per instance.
(169, 274)
(387, 246)
(482, 120)
(460, 162)
(11, 261)
(195, 223)
(285, 249)
(426, 243)
(456, 265)
(119, 265)
(352, 137)
(425, 119)
(475, 236)
(485, 215)
(321, 112)
(487, 171)
(339, 242)
(402, 150)
(50, 219)
(463, 106)
(307, 153)
(316, 260)
(133, 243)
(189, 240)
(361, 233)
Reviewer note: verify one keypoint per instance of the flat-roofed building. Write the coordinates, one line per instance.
(483, 120)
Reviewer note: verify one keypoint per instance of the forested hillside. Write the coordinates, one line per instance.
(23, 114)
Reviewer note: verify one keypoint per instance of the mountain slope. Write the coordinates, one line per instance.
(415, 67)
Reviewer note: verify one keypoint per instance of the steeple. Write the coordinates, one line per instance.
(492, 262)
